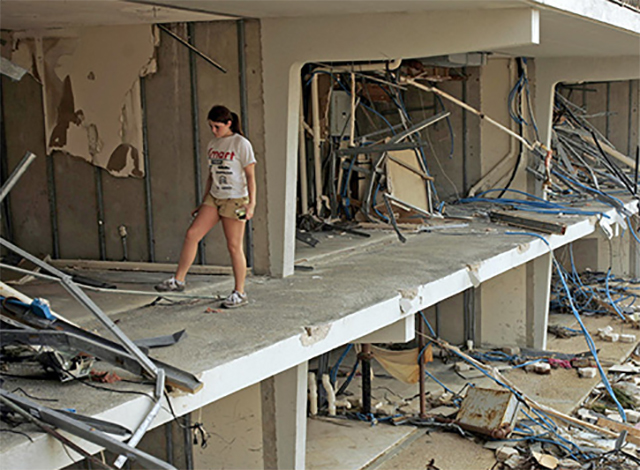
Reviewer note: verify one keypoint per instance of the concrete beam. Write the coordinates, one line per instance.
(400, 332)
(288, 43)
(551, 71)
(601, 11)
(538, 286)
(284, 419)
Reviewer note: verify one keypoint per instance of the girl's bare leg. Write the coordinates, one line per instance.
(206, 219)
(234, 233)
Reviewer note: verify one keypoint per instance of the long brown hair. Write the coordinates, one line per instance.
(222, 114)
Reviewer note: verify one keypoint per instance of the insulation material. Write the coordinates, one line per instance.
(402, 365)
(406, 185)
(92, 92)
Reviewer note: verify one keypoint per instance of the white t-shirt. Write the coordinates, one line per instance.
(228, 156)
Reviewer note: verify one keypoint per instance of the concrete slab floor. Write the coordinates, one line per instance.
(268, 335)
(342, 444)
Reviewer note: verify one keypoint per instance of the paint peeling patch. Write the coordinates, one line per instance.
(408, 293)
(523, 247)
(313, 334)
(91, 82)
(66, 115)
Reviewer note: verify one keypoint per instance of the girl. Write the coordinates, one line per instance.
(230, 196)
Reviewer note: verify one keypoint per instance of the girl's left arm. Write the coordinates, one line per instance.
(250, 173)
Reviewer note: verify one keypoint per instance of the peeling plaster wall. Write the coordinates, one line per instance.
(92, 93)
(171, 158)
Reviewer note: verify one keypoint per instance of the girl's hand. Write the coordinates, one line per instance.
(195, 211)
(250, 208)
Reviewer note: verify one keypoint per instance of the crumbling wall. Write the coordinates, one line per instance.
(75, 189)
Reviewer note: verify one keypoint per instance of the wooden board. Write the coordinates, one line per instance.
(135, 266)
(404, 184)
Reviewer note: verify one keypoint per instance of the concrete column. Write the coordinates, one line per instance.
(501, 319)
(284, 419)
(538, 291)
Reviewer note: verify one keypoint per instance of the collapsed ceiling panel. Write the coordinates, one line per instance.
(91, 92)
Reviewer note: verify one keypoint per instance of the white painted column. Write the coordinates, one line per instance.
(538, 292)
(284, 419)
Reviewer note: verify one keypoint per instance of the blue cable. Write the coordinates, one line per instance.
(615, 306)
(633, 232)
(433, 333)
(588, 338)
(334, 369)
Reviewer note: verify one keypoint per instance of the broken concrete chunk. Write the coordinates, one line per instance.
(504, 453)
(607, 329)
(343, 404)
(610, 337)
(587, 372)
(446, 411)
(627, 338)
(388, 409)
(587, 415)
(545, 460)
(568, 464)
(463, 366)
(542, 368)
(624, 369)
(511, 350)
(632, 416)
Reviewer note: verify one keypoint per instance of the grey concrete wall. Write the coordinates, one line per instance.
(171, 161)
(453, 175)
(170, 124)
(24, 129)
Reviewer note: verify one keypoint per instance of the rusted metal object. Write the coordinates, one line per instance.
(490, 412)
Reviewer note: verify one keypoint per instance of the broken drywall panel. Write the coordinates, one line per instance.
(92, 91)
(407, 185)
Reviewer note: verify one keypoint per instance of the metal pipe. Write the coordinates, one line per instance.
(465, 106)
(195, 122)
(188, 442)
(244, 113)
(147, 174)
(191, 48)
(365, 358)
(102, 244)
(607, 120)
(630, 118)
(85, 431)
(53, 206)
(302, 173)
(465, 177)
(421, 366)
(168, 437)
(122, 231)
(17, 173)
(81, 297)
(142, 429)
(5, 206)
(315, 113)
